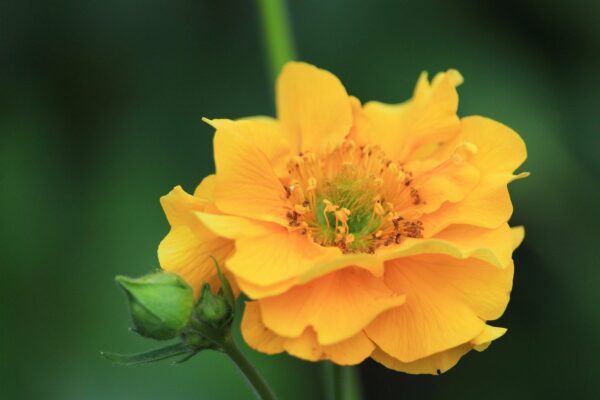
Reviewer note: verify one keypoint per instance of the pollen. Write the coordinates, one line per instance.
(349, 198)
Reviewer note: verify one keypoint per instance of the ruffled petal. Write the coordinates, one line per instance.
(187, 248)
(482, 287)
(348, 352)
(351, 351)
(247, 183)
(440, 362)
(426, 120)
(494, 246)
(313, 107)
(205, 191)
(518, 234)
(271, 247)
(337, 306)
(274, 257)
(362, 131)
(233, 227)
(451, 182)
(256, 334)
(433, 319)
(499, 152)
(265, 133)
(487, 206)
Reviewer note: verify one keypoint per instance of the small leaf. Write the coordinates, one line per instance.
(226, 287)
(162, 353)
(185, 358)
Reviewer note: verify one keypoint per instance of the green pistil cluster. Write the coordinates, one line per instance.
(357, 196)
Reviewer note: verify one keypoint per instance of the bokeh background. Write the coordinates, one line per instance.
(100, 108)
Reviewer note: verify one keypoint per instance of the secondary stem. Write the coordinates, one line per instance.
(277, 34)
(256, 381)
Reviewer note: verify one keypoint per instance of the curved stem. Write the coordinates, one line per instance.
(259, 385)
(277, 34)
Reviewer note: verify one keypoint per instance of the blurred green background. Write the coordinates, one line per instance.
(100, 113)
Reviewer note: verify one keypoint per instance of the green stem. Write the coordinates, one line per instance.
(259, 385)
(338, 383)
(352, 386)
(277, 34)
(341, 382)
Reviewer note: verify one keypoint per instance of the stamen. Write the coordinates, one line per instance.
(359, 186)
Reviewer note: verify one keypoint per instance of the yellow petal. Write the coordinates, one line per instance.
(256, 334)
(206, 189)
(351, 351)
(260, 291)
(233, 227)
(188, 255)
(518, 233)
(494, 246)
(450, 182)
(179, 206)
(487, 206)
(499, 148)
(274, 257)
(489, 334)
(325, 265)
(362, 131)
(431, 320)
(434, 364)
(500, 151)
(247, 184)
(440, 362)
(187, 249)
(265, 133)
(313, 107)
(459, 241)
(428, 118)
(337, 306)
(348, 352)
(484, 288)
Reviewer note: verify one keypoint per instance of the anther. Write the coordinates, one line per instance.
(349, 238)
(300, 209)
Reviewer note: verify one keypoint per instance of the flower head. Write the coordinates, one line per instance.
(359, 231)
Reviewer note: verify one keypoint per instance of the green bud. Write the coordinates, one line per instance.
(213, 308)
(161, 304)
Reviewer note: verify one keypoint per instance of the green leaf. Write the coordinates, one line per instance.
(162, 353)
(184, 358)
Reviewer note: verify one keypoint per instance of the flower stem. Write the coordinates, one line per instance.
(352, 384)
(277, 34)
(338, 384)
(341, 383)
(261, 390)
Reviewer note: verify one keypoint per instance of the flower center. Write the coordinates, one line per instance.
(347, 198)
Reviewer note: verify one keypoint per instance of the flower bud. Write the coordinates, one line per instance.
(213, 308)
(161, 304)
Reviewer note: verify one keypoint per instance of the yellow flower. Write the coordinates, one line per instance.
(357, 231)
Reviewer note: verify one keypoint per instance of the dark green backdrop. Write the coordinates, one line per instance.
(100, 108)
